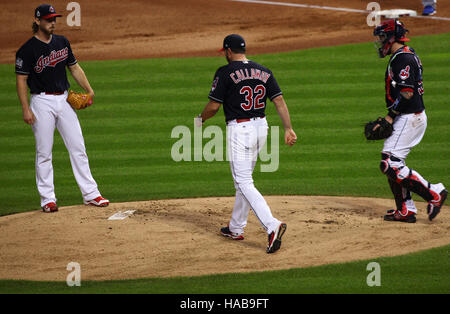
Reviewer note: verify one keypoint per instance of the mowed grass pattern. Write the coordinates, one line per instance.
(330, 92)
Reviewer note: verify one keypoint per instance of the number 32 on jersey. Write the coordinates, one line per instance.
(253, 97)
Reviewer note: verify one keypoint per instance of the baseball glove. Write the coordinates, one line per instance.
(79, 100)
(384, 130)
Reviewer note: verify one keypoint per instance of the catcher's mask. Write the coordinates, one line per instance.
(389, 32)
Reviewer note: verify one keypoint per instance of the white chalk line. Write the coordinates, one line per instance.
(311, 6)
(432, 17)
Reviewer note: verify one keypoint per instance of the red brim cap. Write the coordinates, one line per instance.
(49, 16)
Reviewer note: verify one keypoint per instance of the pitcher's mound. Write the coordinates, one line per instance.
(181, 237)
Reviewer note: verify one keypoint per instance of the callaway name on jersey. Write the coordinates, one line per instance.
(243, 88)
(45, 64)
(404, 74)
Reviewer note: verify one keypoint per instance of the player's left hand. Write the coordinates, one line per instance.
(290, 138)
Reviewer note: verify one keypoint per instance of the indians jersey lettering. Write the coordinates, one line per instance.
(243, 88)
(51, 60)
(404, 74)
(45, 64)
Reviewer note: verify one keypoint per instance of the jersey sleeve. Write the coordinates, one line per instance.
(71, 60)
(23, 62)
(273, 90)
(404, 71)
(218, 87)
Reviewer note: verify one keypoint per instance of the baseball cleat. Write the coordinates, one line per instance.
(434, 206)
(50, 208)
(225, 231)
(429, 10)
(98, 201)
(390, 211)
(275, 238)
(396, 215)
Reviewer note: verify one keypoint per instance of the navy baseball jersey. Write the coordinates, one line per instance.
(404, 74)
(45, 64)
(243, 88)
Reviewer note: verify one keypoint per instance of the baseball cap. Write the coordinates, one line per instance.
(233, 41)
(45, 11)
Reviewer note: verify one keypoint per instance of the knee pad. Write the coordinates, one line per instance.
(409, 179)
(392, 166)
(386, 167)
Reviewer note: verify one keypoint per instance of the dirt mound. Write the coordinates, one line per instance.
(181, 237)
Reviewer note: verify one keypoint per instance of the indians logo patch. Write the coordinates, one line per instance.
(214, 84)
(404, 74)
(19, 63)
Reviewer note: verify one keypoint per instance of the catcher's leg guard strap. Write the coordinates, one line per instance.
(396, 170)
(416, 183)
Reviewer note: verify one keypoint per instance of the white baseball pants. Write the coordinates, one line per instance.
(409, 130)
(245, 141)
(54, 111)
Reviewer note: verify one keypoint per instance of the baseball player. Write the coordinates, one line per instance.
(41, 66)
(406, 111)
(243, 86)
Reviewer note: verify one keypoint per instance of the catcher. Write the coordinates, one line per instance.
(404, 125)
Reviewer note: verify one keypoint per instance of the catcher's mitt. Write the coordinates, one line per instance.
(79, 100)
(384, 130)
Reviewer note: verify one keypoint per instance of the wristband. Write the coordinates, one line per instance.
(393, 114)
(198, 120)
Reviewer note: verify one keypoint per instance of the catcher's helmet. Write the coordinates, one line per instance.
(389, 32)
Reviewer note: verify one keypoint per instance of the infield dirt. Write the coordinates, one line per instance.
(181, 237)
(112, 29)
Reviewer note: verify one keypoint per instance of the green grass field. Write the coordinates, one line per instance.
(331, 92)
(422, 272)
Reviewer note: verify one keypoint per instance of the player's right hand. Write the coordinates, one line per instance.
(28, 117)
(290, 138)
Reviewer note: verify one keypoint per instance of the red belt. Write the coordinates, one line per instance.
(48, 93)
(418, 112)
(246, 120)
